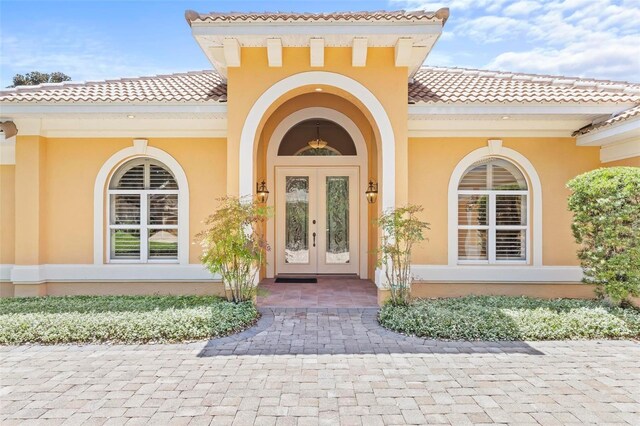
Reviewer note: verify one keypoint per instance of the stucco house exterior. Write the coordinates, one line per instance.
(104, 184)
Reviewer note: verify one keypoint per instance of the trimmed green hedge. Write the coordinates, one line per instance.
(606, 223)
(512, 318)
(120, 319)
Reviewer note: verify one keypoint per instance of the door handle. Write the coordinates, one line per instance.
(314, 239)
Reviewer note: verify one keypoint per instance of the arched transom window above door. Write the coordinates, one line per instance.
(493, 213)
(142, 202)
(299, 140)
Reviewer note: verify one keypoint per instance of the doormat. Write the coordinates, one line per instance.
(296, 280)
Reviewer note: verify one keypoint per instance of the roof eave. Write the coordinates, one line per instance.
(19, 108)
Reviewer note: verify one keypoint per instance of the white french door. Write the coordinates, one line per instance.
(316, 220)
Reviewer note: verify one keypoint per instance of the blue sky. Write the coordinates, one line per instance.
(93, 40)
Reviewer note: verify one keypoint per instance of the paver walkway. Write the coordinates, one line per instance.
(322, 366)
(328, 292)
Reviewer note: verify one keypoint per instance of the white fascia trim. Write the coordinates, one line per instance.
(103, 126)
(7, 151)
(496, 274)
(99, 193)
(488, 133)
(495, 149)
(258, 110)
(484, 126)
(611, 134)
(305, 28)
(131, 133)
(96, 108)
(516, 109)
(620, 151)
(32, 274)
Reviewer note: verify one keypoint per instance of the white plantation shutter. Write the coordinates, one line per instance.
(475, 178)
(493, 213)
(132, 178)
(143, 213)
(161, 178)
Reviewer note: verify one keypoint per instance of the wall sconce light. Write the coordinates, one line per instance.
(262, 193)
(372, 192)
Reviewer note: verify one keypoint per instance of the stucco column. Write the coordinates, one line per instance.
(29, 214)
(402, 169)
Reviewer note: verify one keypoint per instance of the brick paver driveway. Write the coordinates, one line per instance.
(323, 366)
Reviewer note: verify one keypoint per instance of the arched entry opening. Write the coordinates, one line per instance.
(320, 214)
(281, 107)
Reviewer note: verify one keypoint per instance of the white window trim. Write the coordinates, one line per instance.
(534, 237)
(101, 214)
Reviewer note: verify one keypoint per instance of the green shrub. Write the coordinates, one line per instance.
(606, 223)
(233, 246)
(120, 319)
(400, 229)
(511, 318)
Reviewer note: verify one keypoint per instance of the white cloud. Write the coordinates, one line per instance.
(440, 59)
(447, 35)
(588, 58)
(522, 8)
(491, 29)
(458, 5)
(592, 38)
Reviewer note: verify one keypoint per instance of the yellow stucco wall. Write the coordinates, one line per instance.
(556, 160)
(7, 214)
(69, 170)
(244, 89)
(425, 290)
(30, 234)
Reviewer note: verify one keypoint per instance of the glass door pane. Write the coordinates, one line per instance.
(338, 220)
(337, 216)
(297, 220)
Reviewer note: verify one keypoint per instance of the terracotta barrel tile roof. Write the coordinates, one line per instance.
(197, 86)
(615, 119)
(391, 16)
(460, 85)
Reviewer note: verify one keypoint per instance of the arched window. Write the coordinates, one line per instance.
(143, 213)
(493, 213)
(296, 141)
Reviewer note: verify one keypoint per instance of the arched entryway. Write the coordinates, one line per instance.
(320, 213)
(381, 121)
(258, 152)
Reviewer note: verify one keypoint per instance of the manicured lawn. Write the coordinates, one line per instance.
(120, 319)
(512, 318)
